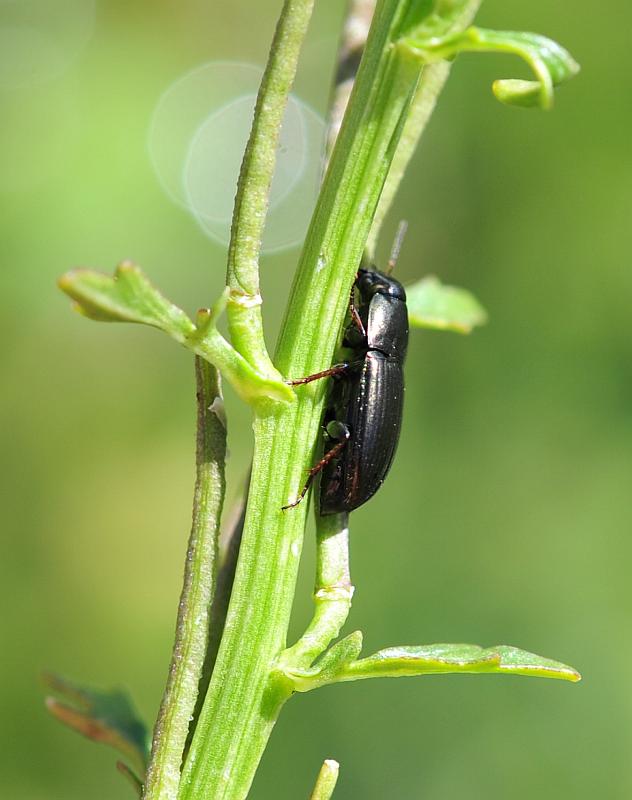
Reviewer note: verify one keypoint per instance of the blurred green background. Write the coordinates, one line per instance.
(506, 517)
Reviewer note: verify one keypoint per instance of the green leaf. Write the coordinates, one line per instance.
(550, 62)
(455, 658)
(103, 716)
(128, 296)
(431, 304)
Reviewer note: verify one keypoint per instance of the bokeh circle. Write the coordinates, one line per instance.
(197, 137)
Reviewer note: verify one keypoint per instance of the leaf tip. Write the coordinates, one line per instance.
(514, 660)
(68, 280)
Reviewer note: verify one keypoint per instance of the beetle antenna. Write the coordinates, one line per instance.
(397, 246)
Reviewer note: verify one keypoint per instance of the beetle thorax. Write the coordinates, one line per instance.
(387, 326)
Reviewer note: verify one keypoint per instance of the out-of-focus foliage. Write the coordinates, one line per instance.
(107, 717)
(506, 516)
(432, 304)
(550, 62)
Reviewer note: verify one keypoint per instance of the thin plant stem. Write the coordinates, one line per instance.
(333, 592)
(355, 31)
(433, 79)
(192, 630)
(326, 781)
(253, 188)
(230, 541)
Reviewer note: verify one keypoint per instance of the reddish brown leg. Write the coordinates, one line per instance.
(335, 450)
(337, 369)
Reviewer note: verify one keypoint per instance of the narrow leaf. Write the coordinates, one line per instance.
(128, 296)
(455, 658)
(103, 716)
(431, 304)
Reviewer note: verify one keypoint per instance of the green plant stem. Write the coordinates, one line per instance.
(230, 543)
(352, 42)
(332, 592)
(192, 630)
(326, 781)
(242, 703)
(252, 386)
(253, 189)
(433, 79)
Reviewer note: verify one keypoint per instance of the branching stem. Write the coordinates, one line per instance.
(242, 701)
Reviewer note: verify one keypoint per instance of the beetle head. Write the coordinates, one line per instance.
(371, 282)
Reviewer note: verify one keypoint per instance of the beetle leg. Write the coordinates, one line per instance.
(343, 434)
(337, 369)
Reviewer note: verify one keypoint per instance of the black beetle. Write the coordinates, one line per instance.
(364, 411)
(365, 407)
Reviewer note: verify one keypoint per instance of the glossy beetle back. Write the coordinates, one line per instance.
(370, 402)
(386, 324)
